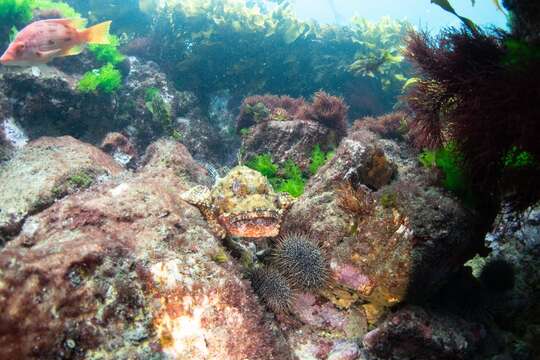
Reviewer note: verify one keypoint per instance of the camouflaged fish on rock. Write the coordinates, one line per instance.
(241, 204)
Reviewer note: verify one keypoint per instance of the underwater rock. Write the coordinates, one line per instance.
(399, 246)
(123, 270)
(515, 239)
(290, 128)
(293, 139)
(390, 130)
(205, 142)
(384, 246)
(148, 104)
(77, 65)
(120, 148)
(150, 108)
(50, 105)
(145, 108)
(415, 333)
(318, 318)
(317, 210)
(12, 134)
(43, 171)
(6, 148)
(172, 157)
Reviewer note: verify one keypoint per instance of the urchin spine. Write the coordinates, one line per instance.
(302, 261)
(273, 288)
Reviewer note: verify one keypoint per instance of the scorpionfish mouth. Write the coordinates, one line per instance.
(252, 224)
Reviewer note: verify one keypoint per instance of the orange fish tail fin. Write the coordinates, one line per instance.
(97, 34)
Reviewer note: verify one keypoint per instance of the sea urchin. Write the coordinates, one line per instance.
(273, 288)
(301, 260)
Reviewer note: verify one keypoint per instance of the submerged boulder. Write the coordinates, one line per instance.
(46, 103)
(290, 128)
(43, 171)
(287, 140)
(317, 318)
(515, 250)
(123, 269)
(385, 243)
(6, 148)
(120, 148)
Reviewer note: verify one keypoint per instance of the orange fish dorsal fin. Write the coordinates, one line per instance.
(77, 23)
(97, 34)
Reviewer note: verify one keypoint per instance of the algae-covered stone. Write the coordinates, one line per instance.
(125, 270)
(45, 170)
(384, 249)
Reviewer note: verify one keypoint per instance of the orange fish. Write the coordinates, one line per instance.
(44, 40)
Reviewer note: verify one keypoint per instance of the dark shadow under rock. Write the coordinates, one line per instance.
(414, 333)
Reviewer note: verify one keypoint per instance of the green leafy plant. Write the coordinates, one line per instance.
(161, 111)
(520, 54)
(263, 163)
(14, 12)
(287, 179)
(107, 79)
(293, 182)
(445, 5)
(516, 158)
(448, 160)
(150, 94)
(389, 199)
(177, 135)
(13, 15)
(318, 159)
(245, 131)
(81, 180)
(108, 53)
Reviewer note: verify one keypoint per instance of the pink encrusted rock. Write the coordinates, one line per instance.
(385, 242)
(126, 270)
(44, 170)
(318, 317)
(120, 148)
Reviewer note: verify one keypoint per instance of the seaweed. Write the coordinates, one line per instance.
(161, 111)
(449, 161)
(108, 53)
(288, 178)
(214, 45)
(330, 111)
(293, 182)
(516, 158)
(13, 15)
(64, 10)
(478, 91)
(318, 159)
(263, 163)
(107, 79)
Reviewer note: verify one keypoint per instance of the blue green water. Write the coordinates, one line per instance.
(419, 12)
